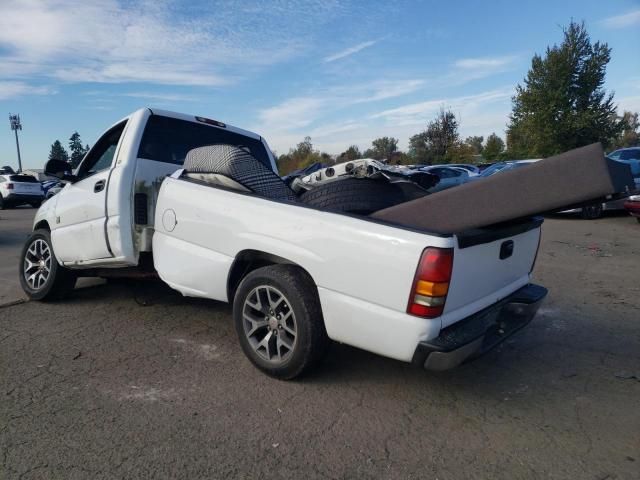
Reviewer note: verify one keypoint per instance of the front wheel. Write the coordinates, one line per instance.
(278, 319)
(41, 277)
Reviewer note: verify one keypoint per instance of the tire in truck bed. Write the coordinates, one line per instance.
(354, 195)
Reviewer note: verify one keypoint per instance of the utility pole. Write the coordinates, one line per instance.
(14, 120)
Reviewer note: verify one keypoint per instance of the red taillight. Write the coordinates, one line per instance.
(10, 186)
(431, 283)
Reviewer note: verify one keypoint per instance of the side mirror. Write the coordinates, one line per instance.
(59, 169)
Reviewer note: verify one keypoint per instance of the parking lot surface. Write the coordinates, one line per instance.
(131, 380)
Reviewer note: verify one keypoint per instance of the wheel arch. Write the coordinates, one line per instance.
(42, 224)
(247, 261)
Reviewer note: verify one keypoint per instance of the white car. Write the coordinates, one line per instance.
(200, 203)
(18, 189)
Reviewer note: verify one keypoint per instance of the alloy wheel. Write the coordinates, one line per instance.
(37, 264)
(269, 324)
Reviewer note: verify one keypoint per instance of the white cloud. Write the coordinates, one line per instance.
(349, 51)
(293, 113)
(628, 103)
(478, 114)
(484, 62)
(300, 112)
(333, 129)
(385, 89)
(621, 21)
(154, 42)
(421, 112)
(163, 96)
(12, 89)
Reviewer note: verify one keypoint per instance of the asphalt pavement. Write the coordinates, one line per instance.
(131, 380)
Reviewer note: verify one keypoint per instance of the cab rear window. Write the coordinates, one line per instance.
(23, 179)
(169, 140)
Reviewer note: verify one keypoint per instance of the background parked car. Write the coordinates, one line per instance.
(632, 205)
(17, 189)
(449, 176)
(503, 167)
(626, 154)
(54, 190)
(472, 169)
(51, 187)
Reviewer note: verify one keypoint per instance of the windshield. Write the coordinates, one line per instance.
(23, 178)
(495, 168)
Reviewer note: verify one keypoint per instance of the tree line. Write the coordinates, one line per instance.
(560, 105)
(76, 151)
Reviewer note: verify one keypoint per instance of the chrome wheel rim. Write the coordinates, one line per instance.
(269, 324)
(37, 264)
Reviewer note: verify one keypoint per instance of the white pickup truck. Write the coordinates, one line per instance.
(223, 225)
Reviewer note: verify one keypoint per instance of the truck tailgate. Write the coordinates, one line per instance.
(491, 264)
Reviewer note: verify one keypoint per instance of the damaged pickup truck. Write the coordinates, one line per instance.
(360, 254)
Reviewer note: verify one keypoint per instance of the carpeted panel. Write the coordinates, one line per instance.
(568, 179)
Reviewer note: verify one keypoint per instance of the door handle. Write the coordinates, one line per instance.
(98, 186)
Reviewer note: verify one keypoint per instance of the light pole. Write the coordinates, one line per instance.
(14, 120)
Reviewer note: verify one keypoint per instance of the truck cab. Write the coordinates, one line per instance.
(117, 185)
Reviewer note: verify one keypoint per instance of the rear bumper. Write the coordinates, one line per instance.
(23, 198)
(480, 332)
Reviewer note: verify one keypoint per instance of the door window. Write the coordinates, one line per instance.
(100, 157)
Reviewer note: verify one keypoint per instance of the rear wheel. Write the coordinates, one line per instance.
(41, 277)
(591, 212)
(3, 204)
(279, 321)
(36, 204)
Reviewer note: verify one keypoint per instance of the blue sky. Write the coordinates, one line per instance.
(341, 72)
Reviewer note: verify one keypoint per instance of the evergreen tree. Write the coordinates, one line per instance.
(76, 149)
(562, 103)
(58, 152)
(493, 148)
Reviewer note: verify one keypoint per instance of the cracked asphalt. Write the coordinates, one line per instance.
(130, 380)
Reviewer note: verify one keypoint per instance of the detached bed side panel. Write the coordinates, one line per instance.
(571, 178)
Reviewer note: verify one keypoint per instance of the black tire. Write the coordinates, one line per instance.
(354, 195)
(3, 204)
(591, 212)
(300, 307)
(60, 280)
(36, 204)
